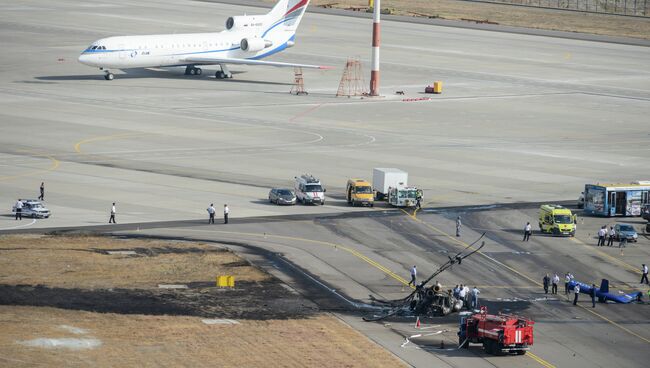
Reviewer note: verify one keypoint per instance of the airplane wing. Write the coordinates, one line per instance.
(212, 60)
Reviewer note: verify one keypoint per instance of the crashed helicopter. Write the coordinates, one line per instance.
(429, 301)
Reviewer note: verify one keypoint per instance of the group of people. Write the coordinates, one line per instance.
(469, 297)
(212, 211)
(605, 235)
(553, 281)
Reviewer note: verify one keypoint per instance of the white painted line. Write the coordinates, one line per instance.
(172, 286)
(122, 252)
(19, 226)
(74, 330)
(67, 343)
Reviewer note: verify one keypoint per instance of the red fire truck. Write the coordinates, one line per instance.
(499, 334)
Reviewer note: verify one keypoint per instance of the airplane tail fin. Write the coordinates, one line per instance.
(286, 14)
(604, 286)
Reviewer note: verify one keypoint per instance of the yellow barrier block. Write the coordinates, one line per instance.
(231, 281)
(437, 87)
(222, 281)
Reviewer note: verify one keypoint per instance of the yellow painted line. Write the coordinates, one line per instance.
(77, 146)
(600, 252)
(354, 252)
(615, 324)
(539, 360)
(54, 165)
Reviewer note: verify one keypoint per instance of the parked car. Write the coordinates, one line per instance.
(627, 231)
(282, 196)
(33, 208)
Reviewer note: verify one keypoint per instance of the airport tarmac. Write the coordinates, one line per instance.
(521, 118)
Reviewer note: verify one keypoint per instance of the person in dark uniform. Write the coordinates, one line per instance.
(42, 196)
(593, 295)
(547, 282)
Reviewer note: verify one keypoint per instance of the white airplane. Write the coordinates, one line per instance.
(246, 40)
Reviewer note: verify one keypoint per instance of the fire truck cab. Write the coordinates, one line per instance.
(500, 334)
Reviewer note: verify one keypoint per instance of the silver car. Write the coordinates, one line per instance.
(282, 196)
(33, 208)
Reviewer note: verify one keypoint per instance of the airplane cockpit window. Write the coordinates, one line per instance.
(94, 48)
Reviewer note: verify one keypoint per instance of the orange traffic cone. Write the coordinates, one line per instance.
(417, 322)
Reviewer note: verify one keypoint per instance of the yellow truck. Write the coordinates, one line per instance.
(359, 192)
(557, 220)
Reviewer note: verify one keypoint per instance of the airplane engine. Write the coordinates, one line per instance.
(244, 22)
(254, 44)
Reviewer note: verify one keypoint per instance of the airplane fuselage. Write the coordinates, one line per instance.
(169, 50)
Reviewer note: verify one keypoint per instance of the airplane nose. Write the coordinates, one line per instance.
(84, 59)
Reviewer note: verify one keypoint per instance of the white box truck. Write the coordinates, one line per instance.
(384, 178)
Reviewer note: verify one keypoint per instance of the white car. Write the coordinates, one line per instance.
(33, 208)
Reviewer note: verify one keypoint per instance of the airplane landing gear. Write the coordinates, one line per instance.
(109, 76)
(192, 70)
(223, 73)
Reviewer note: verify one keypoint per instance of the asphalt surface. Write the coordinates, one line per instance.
(523, 119)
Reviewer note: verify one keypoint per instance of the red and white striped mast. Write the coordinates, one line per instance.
(374, 73)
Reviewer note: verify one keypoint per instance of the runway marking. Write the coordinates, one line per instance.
(77, 146)
(540, 360)
(600, 252)
(303, 113)
(354, 252)
(55, 165)
(19, 226)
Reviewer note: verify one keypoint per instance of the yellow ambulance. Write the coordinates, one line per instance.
(557, 220)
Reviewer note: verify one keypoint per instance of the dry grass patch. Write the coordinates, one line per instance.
(164, 341)
(85, 262)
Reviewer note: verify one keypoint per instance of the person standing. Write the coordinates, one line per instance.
(547, 282)
(528, 230)
(592, 294)
(42, 188)
(112, 218)
(462, 294)
(458, 225)
(612, 234)
(226, 211)
(555, 281)
(414, 274)
(622, 241)
(644, 270)
(601, 236)
(567, 279)
(19, 210)
(211, 212)
(456, 292)
(475, 293)
(576, 292)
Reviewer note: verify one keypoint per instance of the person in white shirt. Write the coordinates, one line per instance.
(458, 225)
(19, 210)
(112, 218)
(226, 211)
(414, 274)
(554, 282)
(644, 270)
(475, 293)
(601, 236)
(528, 230)
(467, 295)
(612, 234)
(462, 293)
(576, 292)
(211, 212)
